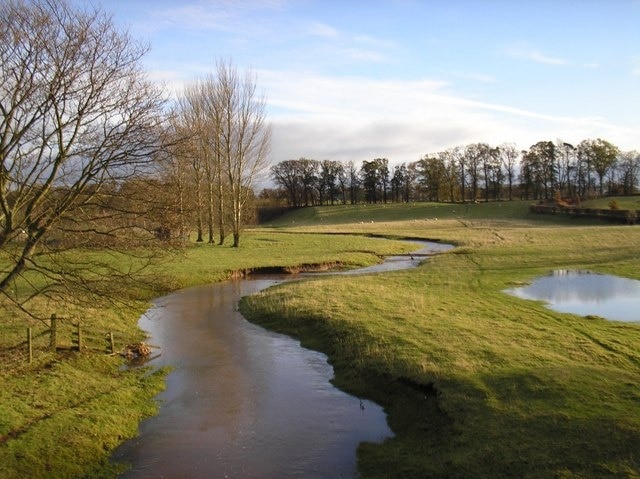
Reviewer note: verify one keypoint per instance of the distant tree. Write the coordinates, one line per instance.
(453, 161)
(330, 172)
(309, 170)
(375, 179)
(383, 171)
(540, 163)
(354, 182)
(79, 119)
(288, 175)
(397, 182)
(508, 155)
(494, 175)
(601, 157)
(410, 177)
(566, 167)
(475, 155)
(343, 183)
(432, 177)
(629, 166)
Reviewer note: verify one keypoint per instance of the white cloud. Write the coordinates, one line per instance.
(357, 118)
(541, 58)
(322, 30)
(535, 56)
(477, 77)
(223, 15)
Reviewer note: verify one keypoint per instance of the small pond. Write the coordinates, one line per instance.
(587, 294)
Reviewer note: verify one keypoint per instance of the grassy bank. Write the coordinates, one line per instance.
(62, 415)
(477, 383)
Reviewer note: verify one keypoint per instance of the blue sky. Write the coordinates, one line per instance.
(357, 80)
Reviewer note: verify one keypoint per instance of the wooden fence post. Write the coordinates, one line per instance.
(77, 337)
(53, 329)
(30, 345)
(112, 345)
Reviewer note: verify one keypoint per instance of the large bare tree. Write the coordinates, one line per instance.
(78, 119)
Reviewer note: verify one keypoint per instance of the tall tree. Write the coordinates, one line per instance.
(309, 173)
(432, 177)
(78, 118)
(508, 155)
(629, 166)
(541, 165)
(601, 155)
(476, 154)
(286, 175)
(244, 137)
(370, 180)
(453, 160)
(354, 182)
(398, 180)
(566, 167)
(383, 172)
(330, 171)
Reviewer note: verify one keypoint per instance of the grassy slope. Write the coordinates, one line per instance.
(477, 383)
(61, 416)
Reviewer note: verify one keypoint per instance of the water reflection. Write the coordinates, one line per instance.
(586, 293)
(243, 401)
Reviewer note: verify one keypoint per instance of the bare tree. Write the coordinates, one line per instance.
(508, 154)
(244, 140)
(629, 166)
(78, 118)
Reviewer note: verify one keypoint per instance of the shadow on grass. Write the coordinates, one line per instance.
(530, 431)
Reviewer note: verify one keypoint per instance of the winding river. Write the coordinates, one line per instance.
(244, 402)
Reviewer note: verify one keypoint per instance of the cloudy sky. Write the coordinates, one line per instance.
(361, 79)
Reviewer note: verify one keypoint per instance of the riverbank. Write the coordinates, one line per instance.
(62, 415)
(478, 383)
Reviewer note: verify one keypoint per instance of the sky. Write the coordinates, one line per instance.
(400, 79)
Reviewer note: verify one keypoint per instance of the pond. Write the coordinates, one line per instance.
(587, 294)
(245, 402)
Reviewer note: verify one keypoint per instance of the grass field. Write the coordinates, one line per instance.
(477, 383)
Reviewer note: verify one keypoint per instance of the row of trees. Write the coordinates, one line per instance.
(224, 141)
(92, 154)
(474, 172)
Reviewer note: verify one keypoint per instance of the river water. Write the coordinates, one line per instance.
(244, 402)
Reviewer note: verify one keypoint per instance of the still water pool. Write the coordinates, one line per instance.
(587, 294)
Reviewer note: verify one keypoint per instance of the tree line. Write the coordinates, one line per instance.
(473, 172)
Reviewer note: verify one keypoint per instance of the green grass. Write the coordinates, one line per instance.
(367, 213)
(71, 413)
(478, 383)
(624, 202)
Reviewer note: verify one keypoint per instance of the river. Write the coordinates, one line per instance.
(244, 402)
